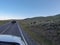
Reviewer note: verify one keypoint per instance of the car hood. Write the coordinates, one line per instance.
(11, 38)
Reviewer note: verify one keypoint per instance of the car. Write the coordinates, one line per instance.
(10, 40)
(13, 22)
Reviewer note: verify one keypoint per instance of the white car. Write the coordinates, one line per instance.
(10, 40)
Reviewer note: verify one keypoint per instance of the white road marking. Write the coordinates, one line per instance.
(4, 24)
(22, 35)
(5, 30)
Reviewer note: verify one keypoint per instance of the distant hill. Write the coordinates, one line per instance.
(45, 18)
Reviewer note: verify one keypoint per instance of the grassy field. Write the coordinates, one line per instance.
(44, 30)
(37, 37)
(3, 22)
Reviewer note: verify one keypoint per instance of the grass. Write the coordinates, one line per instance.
(3, 22)
(39, 38)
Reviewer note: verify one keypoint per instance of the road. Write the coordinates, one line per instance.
(15, 29)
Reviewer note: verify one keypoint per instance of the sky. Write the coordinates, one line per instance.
(21, 9)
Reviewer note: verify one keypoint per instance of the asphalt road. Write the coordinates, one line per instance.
(15, 29)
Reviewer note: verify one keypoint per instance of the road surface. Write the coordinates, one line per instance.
(15, 29)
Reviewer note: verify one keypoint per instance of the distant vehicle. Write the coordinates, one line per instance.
(10, 40)
(13, 22)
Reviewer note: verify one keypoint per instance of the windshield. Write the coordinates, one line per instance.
(8, 43)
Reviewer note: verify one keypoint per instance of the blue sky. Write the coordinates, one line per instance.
(20, 9)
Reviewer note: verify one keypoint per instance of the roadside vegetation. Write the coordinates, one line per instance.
(3, 22)
(44, 30)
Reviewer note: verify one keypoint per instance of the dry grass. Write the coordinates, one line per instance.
(37, 37)
(3, 22)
